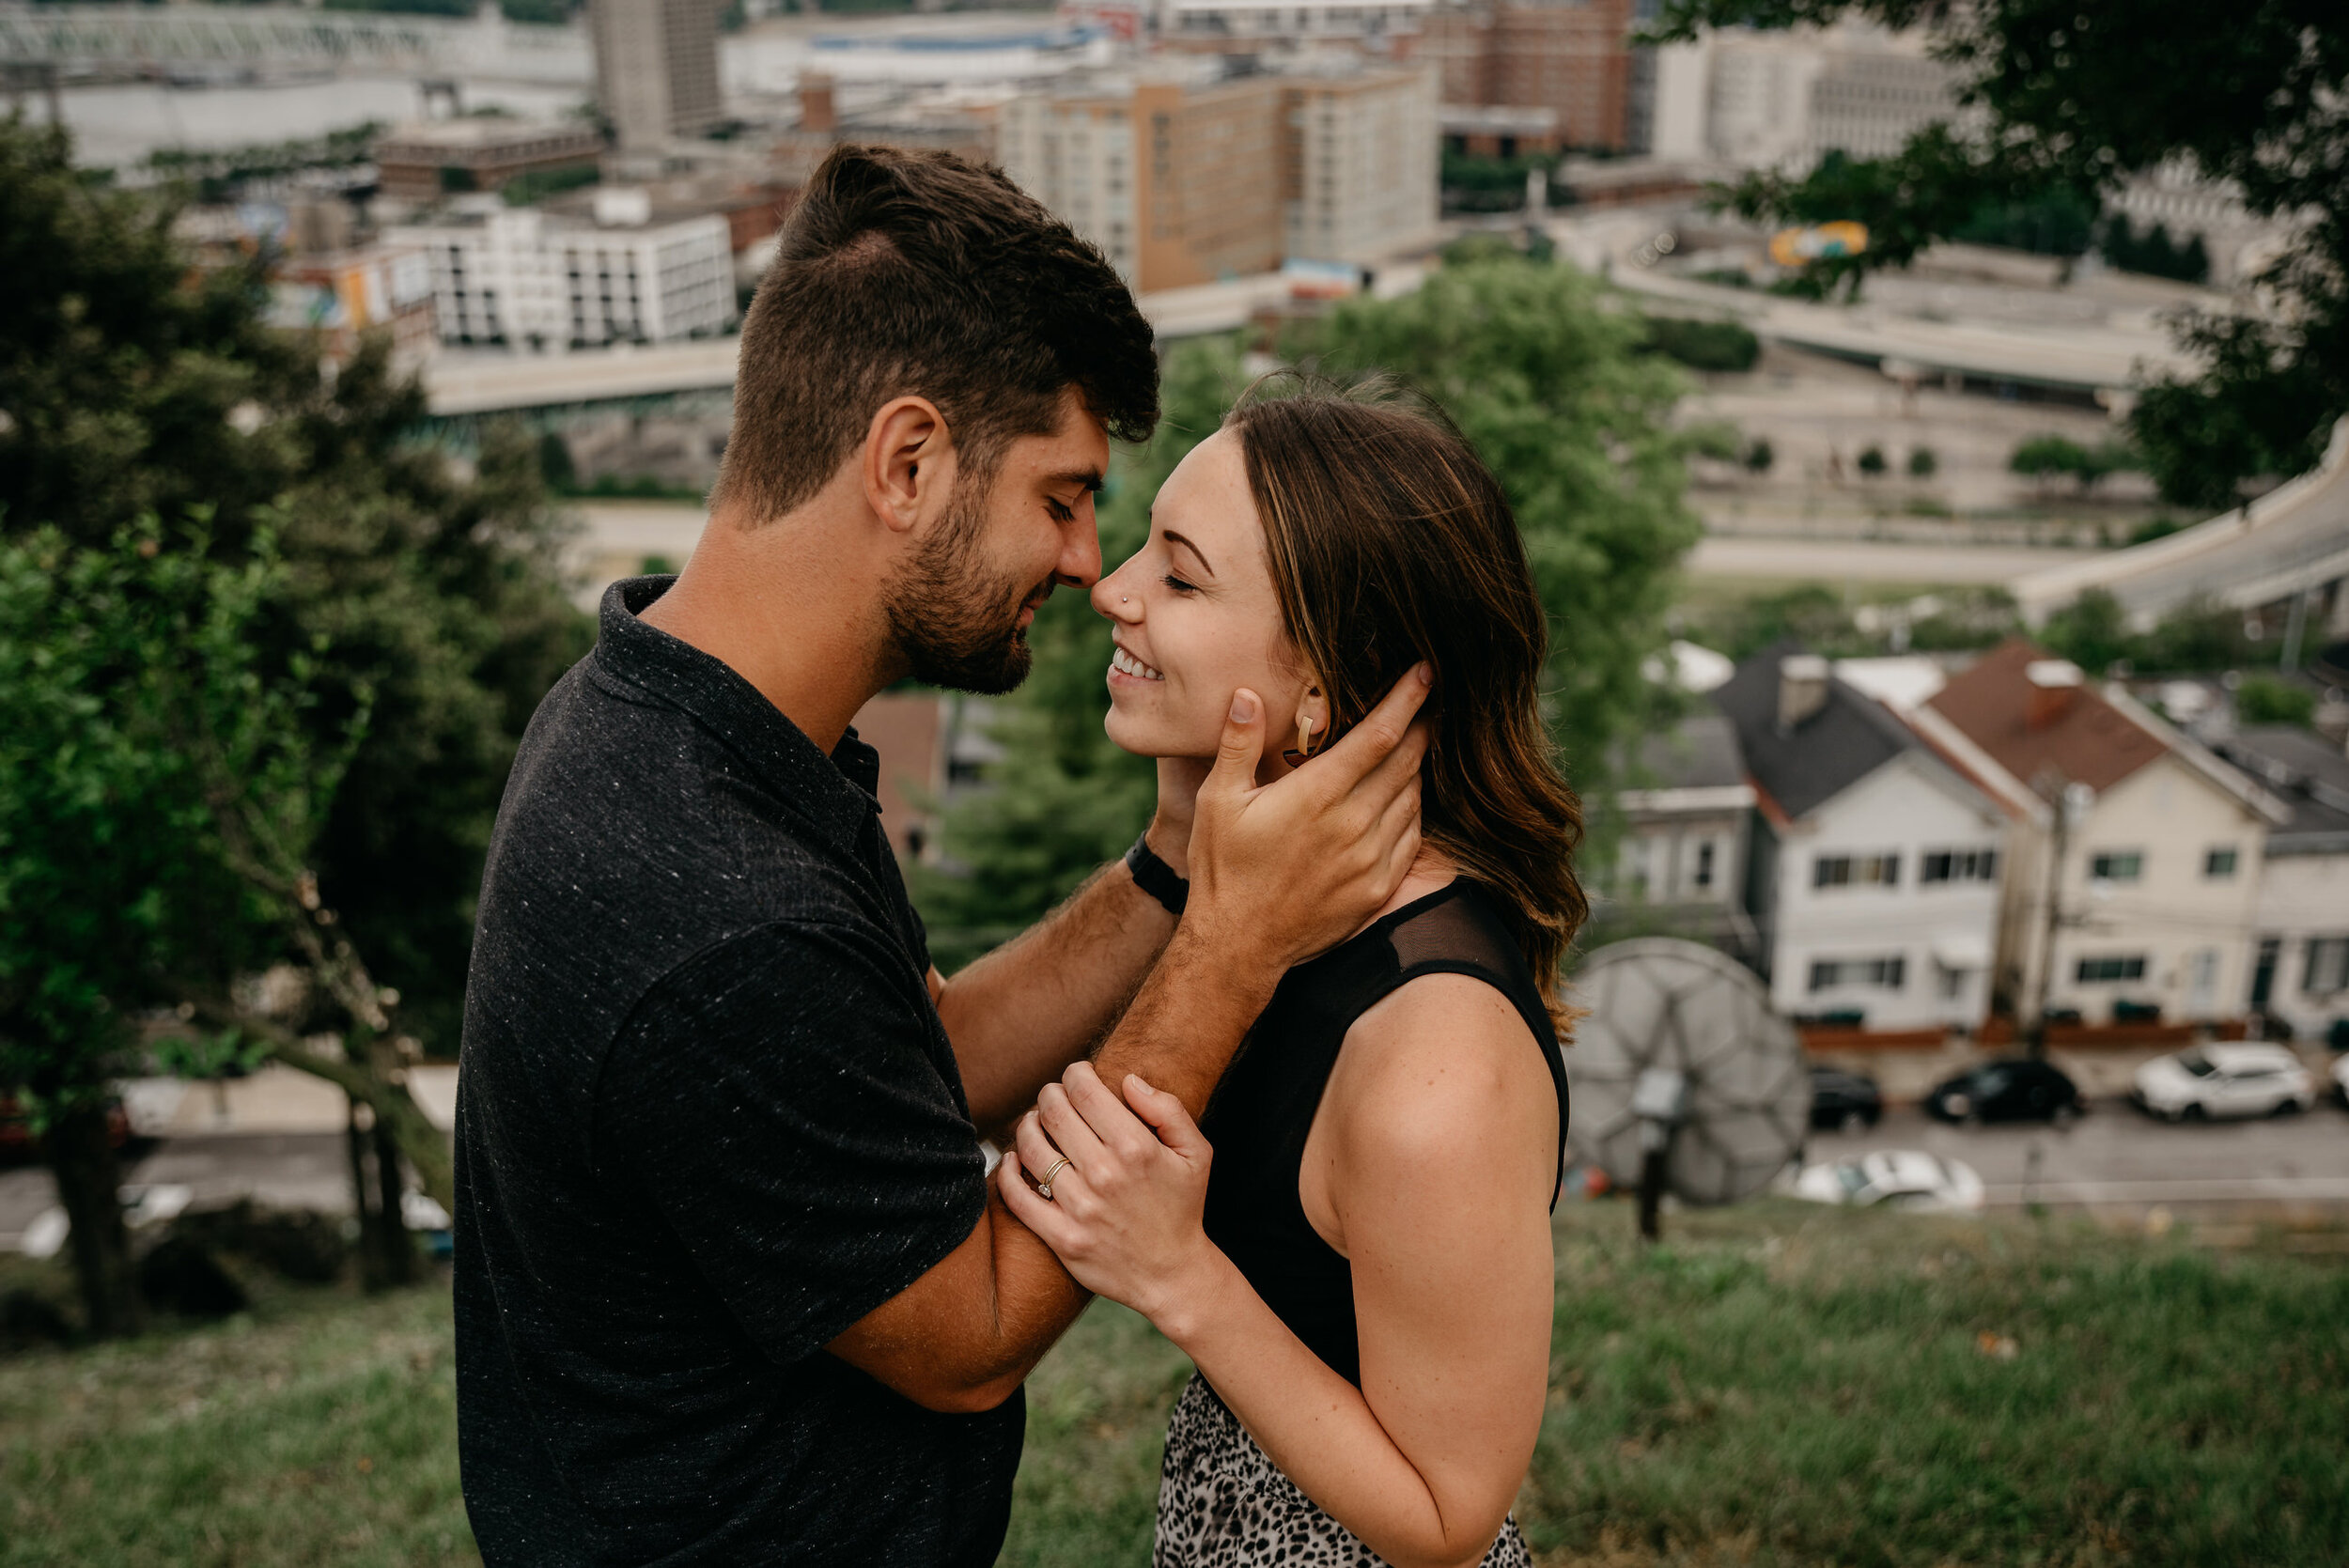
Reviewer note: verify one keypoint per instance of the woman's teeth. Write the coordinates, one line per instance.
(1127, 664)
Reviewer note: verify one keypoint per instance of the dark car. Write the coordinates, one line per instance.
(2016, 1090)
(18, 1146)
(1843, 1102)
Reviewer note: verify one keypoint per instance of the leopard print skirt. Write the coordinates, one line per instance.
(1222, 1503)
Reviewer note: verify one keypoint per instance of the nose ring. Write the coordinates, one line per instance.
(1121, 598)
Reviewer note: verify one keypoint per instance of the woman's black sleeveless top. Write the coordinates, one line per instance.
(1264, 1109)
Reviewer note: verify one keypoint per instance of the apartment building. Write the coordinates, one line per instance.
(656, 68)
(1780, 100)
(1360, 167)
(1876, 863)
(1185, 173)
(2132, 853)
(629, 274)
(1574, 58)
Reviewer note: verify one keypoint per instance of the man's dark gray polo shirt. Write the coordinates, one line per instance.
(706, 1120)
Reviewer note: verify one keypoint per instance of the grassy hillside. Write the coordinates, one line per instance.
(1777, 1385)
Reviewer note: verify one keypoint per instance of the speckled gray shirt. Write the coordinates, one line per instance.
(707, 1118)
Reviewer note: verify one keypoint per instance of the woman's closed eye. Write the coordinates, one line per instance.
(1178, 584)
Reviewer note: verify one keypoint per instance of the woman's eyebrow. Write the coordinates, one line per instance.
(1174, 538)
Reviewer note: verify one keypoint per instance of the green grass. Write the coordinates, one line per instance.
(1776, 1385)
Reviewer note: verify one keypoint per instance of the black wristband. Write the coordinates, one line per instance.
(1156, 877)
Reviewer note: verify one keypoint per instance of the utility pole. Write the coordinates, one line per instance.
(2067, 801)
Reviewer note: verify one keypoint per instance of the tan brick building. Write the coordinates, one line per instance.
(1183, 176)
(1572, 57)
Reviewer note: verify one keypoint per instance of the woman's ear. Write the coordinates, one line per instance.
(1312, 722)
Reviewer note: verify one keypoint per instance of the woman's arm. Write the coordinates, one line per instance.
(1435, 1149)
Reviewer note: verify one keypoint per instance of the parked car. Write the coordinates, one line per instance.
(1842, 1101)
(2016, 1089)
(2341, 1081)
(2243, 1078)
(1898, 1178)
(18, 1146)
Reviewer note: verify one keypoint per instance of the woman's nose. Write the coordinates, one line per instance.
(1113, 598)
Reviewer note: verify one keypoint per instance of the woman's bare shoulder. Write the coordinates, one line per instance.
(1441, 1059)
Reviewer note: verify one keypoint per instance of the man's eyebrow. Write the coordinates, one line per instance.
(1174, 538)
(1087, 478)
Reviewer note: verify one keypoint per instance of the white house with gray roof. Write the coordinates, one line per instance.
(2300, 919)
(1875, 876)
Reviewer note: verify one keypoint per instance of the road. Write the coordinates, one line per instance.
(1864, 561)
(2114, 1156)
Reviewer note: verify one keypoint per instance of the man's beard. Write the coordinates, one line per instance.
(956, 621)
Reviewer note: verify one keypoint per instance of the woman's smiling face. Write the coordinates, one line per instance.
(1196, 617)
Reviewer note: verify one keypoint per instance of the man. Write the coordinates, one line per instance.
(731, 1286)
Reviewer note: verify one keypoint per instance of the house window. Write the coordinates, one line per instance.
(1703, 877)
(2129, 966)
(2117, 867)
(2327, 966)
(2218, 864)
(1855, 871)
(1959, 865)
(1883, 974)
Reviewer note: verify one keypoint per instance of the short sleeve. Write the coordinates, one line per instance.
(787, 1101)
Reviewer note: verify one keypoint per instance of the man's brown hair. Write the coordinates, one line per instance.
(919, 274)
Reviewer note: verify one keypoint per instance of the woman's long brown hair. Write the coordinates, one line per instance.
(1391, 542)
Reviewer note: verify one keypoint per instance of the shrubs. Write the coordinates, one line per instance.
(1702, 345)
(2266, 700)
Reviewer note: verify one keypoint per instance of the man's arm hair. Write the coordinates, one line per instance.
(969, 1331)
(1020, 1015)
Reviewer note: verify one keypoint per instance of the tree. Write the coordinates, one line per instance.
(1759, 457)
(2078, 96)
(1923, 464)
(134, 385)
(1871, 463)
(2266, 700)
(161, 793)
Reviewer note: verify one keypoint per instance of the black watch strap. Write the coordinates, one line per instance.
(1156, 877)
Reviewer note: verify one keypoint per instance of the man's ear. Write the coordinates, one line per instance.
(908, 463)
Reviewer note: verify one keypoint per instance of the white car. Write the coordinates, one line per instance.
(1899, 1178)
(2244, 1078)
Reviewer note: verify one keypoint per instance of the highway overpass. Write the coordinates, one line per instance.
(2289, 543)
(74, 40)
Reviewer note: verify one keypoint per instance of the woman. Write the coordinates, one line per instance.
(1364, 1281)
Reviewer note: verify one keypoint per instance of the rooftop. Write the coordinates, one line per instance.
(1801, 767)
(482, 132)
(2066, 726)
(2307, 773)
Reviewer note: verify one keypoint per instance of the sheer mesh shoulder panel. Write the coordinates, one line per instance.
(1453, 932)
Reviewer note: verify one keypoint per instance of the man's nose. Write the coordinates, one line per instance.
(1080, 565)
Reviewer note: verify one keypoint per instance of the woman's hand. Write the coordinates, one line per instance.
(1125, 1210)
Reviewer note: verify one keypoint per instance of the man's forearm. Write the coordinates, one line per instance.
(1191, 1014)
(1027, 1010)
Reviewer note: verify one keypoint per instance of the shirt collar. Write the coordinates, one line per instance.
(836, 793)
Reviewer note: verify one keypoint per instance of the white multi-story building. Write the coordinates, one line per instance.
(531, 278)
(1877, 867)
(1366, 174)
(1780, 100)
(2134, 857)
